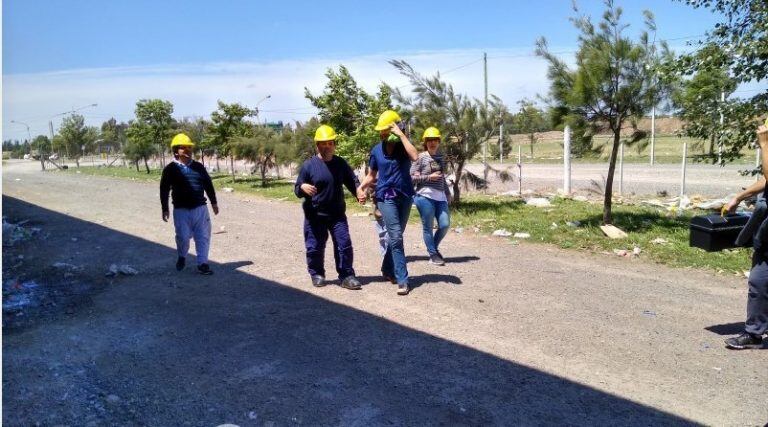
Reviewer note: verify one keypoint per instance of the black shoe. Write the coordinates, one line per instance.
(402, 289)
(744, 341)
(436, 259)
(180, 263)
(351, 282)
(204, 269)
(389, 278)
(318, 281)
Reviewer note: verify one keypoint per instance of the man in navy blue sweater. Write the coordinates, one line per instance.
(188, 182)
(321, 183)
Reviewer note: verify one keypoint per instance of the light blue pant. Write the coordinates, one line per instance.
(196, 224)
(429, 210)
(395, 213)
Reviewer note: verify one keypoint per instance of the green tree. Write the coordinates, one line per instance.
(351, 112)
(74, 135)
(156, 114)
(699, 105)
(738, 46)
(141, 143)
(197, 129)
(227, 125)
(528, 120)
(42, 145)
(264, 148)
(465, 124)
(609, 86)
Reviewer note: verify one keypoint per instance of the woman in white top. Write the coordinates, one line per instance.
(428, 174)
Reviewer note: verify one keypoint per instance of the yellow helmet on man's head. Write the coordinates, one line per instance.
(386, 119)
(325, 133)
(431, 132)
(181, 139)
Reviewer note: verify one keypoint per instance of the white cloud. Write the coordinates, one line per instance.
(195, 88)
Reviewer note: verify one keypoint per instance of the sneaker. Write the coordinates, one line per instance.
(402, 289)
(180, 263)
(744, 341)
(388, 277)
(204, 269)
(318, 281)
(351, 282)
(436, 259)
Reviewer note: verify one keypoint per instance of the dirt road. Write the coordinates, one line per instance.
(502, 334)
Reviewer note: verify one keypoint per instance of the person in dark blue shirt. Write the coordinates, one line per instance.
(188, 182)
(390, 172)
(321, 183)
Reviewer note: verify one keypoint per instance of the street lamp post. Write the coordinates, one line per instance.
(29, 138)
(257, 106)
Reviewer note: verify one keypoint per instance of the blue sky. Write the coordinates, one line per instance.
(63, 54)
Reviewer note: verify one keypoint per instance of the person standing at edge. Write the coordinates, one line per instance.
(756, 323)
(187, 180)
(321, 183)
(431, 199)
(390, 162)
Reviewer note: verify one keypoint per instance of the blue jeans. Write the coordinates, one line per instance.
(429, 210)
(395, 213)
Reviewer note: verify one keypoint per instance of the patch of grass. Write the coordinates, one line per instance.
(642, 224)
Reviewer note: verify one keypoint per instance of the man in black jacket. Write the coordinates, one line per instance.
(187, 181)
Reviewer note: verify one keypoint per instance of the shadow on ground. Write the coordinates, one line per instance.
(167, 348)
(450, 259)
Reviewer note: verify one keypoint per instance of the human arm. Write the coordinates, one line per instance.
(410, 150)
(165, 190)
(367, 182)
(302, 188)
(210, 191)
(753, 189)
(762, 140)
(350, 179)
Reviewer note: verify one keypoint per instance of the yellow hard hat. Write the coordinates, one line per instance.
(325, 133)
(386, 119)
(181, 139)
(431, 132)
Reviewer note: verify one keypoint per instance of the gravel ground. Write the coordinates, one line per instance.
(502, 334)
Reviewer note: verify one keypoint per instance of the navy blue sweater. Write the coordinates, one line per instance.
(188, 183)
(329, 178)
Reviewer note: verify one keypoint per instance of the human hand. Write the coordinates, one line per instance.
(396, 130)
(361, 196)
(165, 216)
(730, 207)
(436, 176)
(309, 189)
(762, 136)
(215, 209)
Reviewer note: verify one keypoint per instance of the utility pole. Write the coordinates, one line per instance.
(485, 79)
(501, 141)
(720, 137)
(653, 133)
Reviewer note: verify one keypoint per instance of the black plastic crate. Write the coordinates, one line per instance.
(715, 232)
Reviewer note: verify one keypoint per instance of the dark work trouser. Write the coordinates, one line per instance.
(316, 231)
(757, 296)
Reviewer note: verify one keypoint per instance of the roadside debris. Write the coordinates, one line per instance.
(573, 224)
(613, 232)
(649, 313)
(522, 236)
(538, 202)
(124, 269)
(502, 233)
(458, 230)
(228, 189)
(659, 241)
(13, 233)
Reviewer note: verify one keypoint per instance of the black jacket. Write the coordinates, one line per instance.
(183, 193)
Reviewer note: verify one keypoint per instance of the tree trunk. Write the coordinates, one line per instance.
(712, 144)
(608, 197)
(530, 140)
(42, 161)
(218, 168)
(77, 161)
(232, 166)
(456, 184)
(146, 165)
(263, 169)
